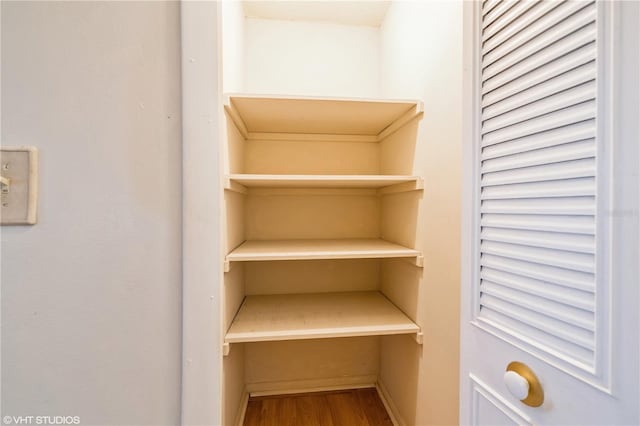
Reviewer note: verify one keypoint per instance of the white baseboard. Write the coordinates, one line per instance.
(242, 409)
(313, 385)
(391, 407)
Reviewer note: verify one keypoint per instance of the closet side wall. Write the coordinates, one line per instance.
(233, 149)
(233, 30)
(234, 235)
(421, 53)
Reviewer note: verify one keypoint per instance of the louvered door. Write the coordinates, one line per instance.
(544, 282)
(538, 183)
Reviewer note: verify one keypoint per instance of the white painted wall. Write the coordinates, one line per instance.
(311, 58)
(91, 295)
(233, 55)
(421, 57)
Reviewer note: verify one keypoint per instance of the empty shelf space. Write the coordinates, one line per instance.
(317, 315)
(259, 114)
(340, 407)
(318, 249)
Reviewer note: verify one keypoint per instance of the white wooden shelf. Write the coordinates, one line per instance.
(373, 120)
(258, 250)
(385, 183)
(321, 181)
(318, 315)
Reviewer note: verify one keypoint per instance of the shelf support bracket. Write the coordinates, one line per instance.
(235, 117)
(410, 115)
(419, 337)
(417, 261)
(226, 266)
(417, 185)
(230, 185)
(226, 348)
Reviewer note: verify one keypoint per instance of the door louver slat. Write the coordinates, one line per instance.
(544, 206)
(530, 27)
(559, 136)
(520, 113)
(550, 308)
(514, 13)
(558, 293)
(511, 82)
(569, 188)
(546, 342)
(489, 5)
(541, 173)
(551, 240)
(503, 58)
(528, 63)
(538, 176)
(564, 277)
(555, 154)
(566, 81)
(562, 118)
(549, 223)
(567, 260)
(575, 335)
(500, 9)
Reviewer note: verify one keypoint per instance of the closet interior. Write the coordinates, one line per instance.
(323, 192)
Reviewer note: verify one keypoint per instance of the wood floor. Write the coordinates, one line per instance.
(353, 407)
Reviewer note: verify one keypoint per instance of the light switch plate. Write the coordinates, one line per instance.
(19, 188)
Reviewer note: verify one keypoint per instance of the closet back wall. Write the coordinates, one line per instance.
(311, 58)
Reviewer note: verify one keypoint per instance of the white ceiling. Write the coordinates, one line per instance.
(363, 12)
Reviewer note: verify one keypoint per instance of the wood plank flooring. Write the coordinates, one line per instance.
(353, 407)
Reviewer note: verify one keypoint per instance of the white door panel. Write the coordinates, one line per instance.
(550, 276)
(489, 407)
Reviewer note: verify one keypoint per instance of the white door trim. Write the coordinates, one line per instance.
(470, 192)
(201, 394)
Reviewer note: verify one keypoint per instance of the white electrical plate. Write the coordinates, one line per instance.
(19, 187)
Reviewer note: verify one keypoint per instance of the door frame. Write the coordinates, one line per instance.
(470, 188)
(201, 388)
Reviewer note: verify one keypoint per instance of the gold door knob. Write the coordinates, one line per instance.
(524, 384)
